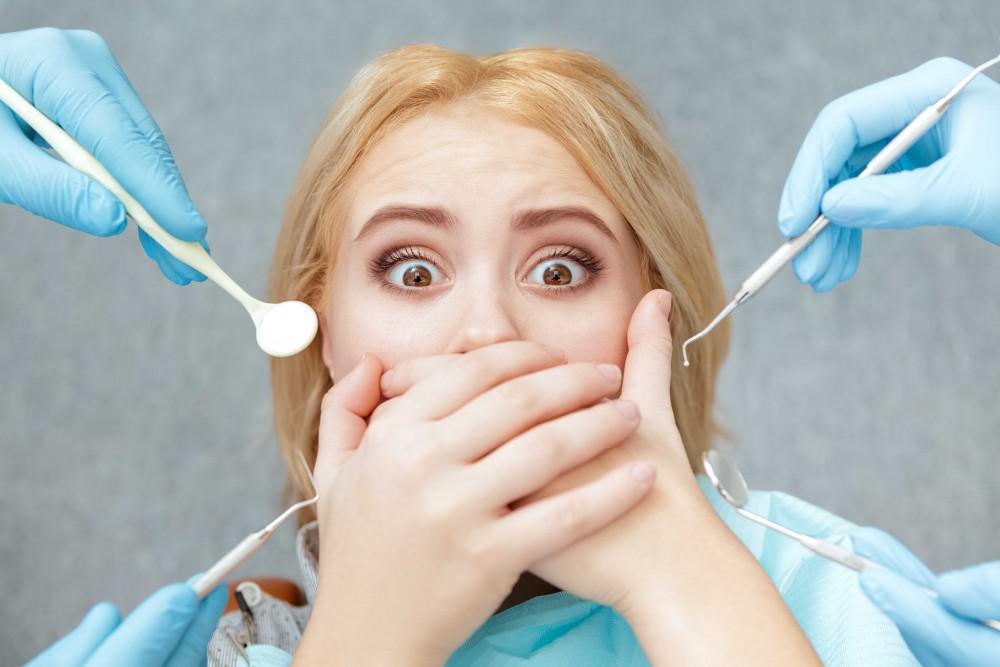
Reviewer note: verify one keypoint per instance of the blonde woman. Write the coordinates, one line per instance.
(502, 252)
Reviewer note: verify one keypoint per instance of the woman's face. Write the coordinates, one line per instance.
(465, 229)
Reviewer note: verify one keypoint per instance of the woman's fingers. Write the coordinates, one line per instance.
(343, 413)
(452, 385)
(401, 377)
(514, 407)
(540, 529)
(530, 461)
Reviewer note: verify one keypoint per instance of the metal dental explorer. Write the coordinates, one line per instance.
(250, 544)
(885, 157)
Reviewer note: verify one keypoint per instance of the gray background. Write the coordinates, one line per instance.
(135, 420)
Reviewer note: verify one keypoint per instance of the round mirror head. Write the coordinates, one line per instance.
(287, 328)
(726, 478)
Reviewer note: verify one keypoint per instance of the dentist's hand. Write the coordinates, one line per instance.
(943, 631)
(950, 177)
(72, 77)
(171, 627)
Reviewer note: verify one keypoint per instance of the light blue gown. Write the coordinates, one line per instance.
(563, 629)
(843, 626)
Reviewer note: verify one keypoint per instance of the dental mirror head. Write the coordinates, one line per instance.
(285, 328)
(726, 478)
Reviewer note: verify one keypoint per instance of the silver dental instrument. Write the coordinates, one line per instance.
(250, 544)
(729, 482)
(882, 161)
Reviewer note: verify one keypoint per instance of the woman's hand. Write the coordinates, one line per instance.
(418, 544)
(686, 585)
(610, 565)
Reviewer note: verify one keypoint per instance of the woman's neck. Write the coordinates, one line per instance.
(528, 586)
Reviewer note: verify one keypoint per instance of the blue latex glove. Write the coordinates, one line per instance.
(72, 77)
(938, 631)
(949, 177)
(171, 627)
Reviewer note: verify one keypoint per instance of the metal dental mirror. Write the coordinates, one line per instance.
(729, 482)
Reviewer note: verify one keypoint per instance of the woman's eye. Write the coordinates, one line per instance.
(558, 272)
(406, 269)
(413, 274)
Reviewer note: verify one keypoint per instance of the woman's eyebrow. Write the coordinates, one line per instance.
(443, 219)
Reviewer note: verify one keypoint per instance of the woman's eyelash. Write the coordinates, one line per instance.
(381, 265)
(584, 258)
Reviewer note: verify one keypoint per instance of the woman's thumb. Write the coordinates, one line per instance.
(343, 413)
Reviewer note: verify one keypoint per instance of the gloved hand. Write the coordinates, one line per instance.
(949, 177)
(942, 631)
(72, 77)
(171, 627)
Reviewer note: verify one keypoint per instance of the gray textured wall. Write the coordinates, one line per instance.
(135, 417)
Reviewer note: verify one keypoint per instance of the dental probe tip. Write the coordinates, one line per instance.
(730, 307)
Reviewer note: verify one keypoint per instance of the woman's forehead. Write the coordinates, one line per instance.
(480, 158)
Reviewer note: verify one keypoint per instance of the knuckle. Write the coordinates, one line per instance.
(381, 411)
(414, 451)
(481, 549)
(946, 65)
(329, 399)
(663, 344)
(378, 433)
(437, 508)
(540, 350)
(569, 514)
(517, 396)
(91, 38)
(544, 447)
(831, 112)
(608, 420)
(51, 36)
(474, 364)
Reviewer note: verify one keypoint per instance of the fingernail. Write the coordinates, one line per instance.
(610, 371)
(643, 472)
(386, 378)
(665, 301)
(628, 408)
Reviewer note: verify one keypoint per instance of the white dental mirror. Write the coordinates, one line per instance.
(283, 329)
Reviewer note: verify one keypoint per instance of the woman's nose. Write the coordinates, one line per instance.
(484, 321)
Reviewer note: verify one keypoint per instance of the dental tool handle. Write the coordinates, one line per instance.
(230, 562)
(836, 553)
(892, 151)
(80, 159)
(823, 548)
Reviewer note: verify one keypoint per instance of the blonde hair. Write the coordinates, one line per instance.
(580, 102)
